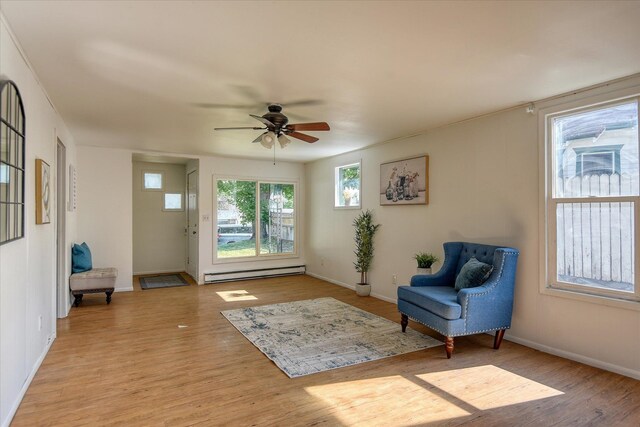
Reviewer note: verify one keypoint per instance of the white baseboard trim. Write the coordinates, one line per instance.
(345, 285)
(126, 289)
(27, 383)
(383, 298)
(335, 282)
(575, 357)
(632, 373)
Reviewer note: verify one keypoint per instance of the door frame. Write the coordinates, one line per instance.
(195, 264)
(62, 288)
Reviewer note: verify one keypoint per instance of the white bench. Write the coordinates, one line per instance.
(94, 281)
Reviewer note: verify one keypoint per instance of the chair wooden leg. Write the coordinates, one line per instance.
(448, 346)
(78, 299)
(109, 297)
(498, 339)
(404, 321)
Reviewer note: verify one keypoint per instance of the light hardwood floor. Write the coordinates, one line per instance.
(130, 364)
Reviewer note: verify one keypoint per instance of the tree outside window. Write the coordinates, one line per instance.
(265, 208)
(347, 186)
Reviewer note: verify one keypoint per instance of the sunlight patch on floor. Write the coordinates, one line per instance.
(239, 295)
(487, 387)
(366, 402)
(428, 398)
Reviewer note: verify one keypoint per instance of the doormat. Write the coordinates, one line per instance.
(164, 281)
(305, 337)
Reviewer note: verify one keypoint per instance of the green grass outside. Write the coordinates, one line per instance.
(246, 248)
(237, 249)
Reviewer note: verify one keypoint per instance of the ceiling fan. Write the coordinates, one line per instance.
(277, 127)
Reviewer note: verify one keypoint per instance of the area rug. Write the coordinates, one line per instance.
(164, 281)
(310, 336)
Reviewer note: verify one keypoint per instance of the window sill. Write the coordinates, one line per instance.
(347, 207)
(272, 257)
(593, 299)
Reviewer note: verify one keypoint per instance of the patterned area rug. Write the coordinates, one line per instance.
(305, 337)
(164, 281)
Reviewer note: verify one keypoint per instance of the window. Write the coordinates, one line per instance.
(152, 180)
(347, 186)
(172, 202)
(255, 218)
(593, 200)
(12, 141)
(598, 160)
(4, 174)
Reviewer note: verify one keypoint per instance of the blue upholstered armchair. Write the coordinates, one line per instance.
(433, 301)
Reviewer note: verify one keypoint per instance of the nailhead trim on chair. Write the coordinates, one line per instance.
(430, 327)
(495, 283)
(458, 335)
(506, 254)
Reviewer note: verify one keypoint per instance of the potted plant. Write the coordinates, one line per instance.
(365, 230)
(425, 261)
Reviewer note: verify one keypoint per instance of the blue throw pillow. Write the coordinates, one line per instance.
(80, 258)
(473, 273)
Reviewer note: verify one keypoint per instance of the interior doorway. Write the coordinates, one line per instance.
(62, 288)
(164, 194)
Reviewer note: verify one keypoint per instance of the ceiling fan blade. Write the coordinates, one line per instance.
(258, 139)
(309, 126)
(301, 103)
(297, 117)
(263, 120)
(253, 128)
(306, 138)
(248, 92)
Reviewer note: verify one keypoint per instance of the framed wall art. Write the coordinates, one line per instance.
(405, 182)
(73, 189)
(43, 192)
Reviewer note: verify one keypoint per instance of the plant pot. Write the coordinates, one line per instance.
(363, 289)
(424, 270)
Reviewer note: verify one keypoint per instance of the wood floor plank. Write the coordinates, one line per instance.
(130, 363)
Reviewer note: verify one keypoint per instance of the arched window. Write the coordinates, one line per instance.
(12, 131)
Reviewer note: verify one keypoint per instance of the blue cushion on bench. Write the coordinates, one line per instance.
(80, 258)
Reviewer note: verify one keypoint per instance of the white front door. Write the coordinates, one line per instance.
(192, 224)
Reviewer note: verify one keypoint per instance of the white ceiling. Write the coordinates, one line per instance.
(127, 74)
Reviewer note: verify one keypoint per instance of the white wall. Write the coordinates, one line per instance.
(210, 167)
(484, 187)
(71, 227)
(27, 266)
(105, 208)
(193, 268)
(159, 238)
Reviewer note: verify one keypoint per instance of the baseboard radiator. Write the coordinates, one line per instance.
(258, 273)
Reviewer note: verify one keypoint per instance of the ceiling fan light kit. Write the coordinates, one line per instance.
(284, 141)
(277, 127)
(268, 139)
